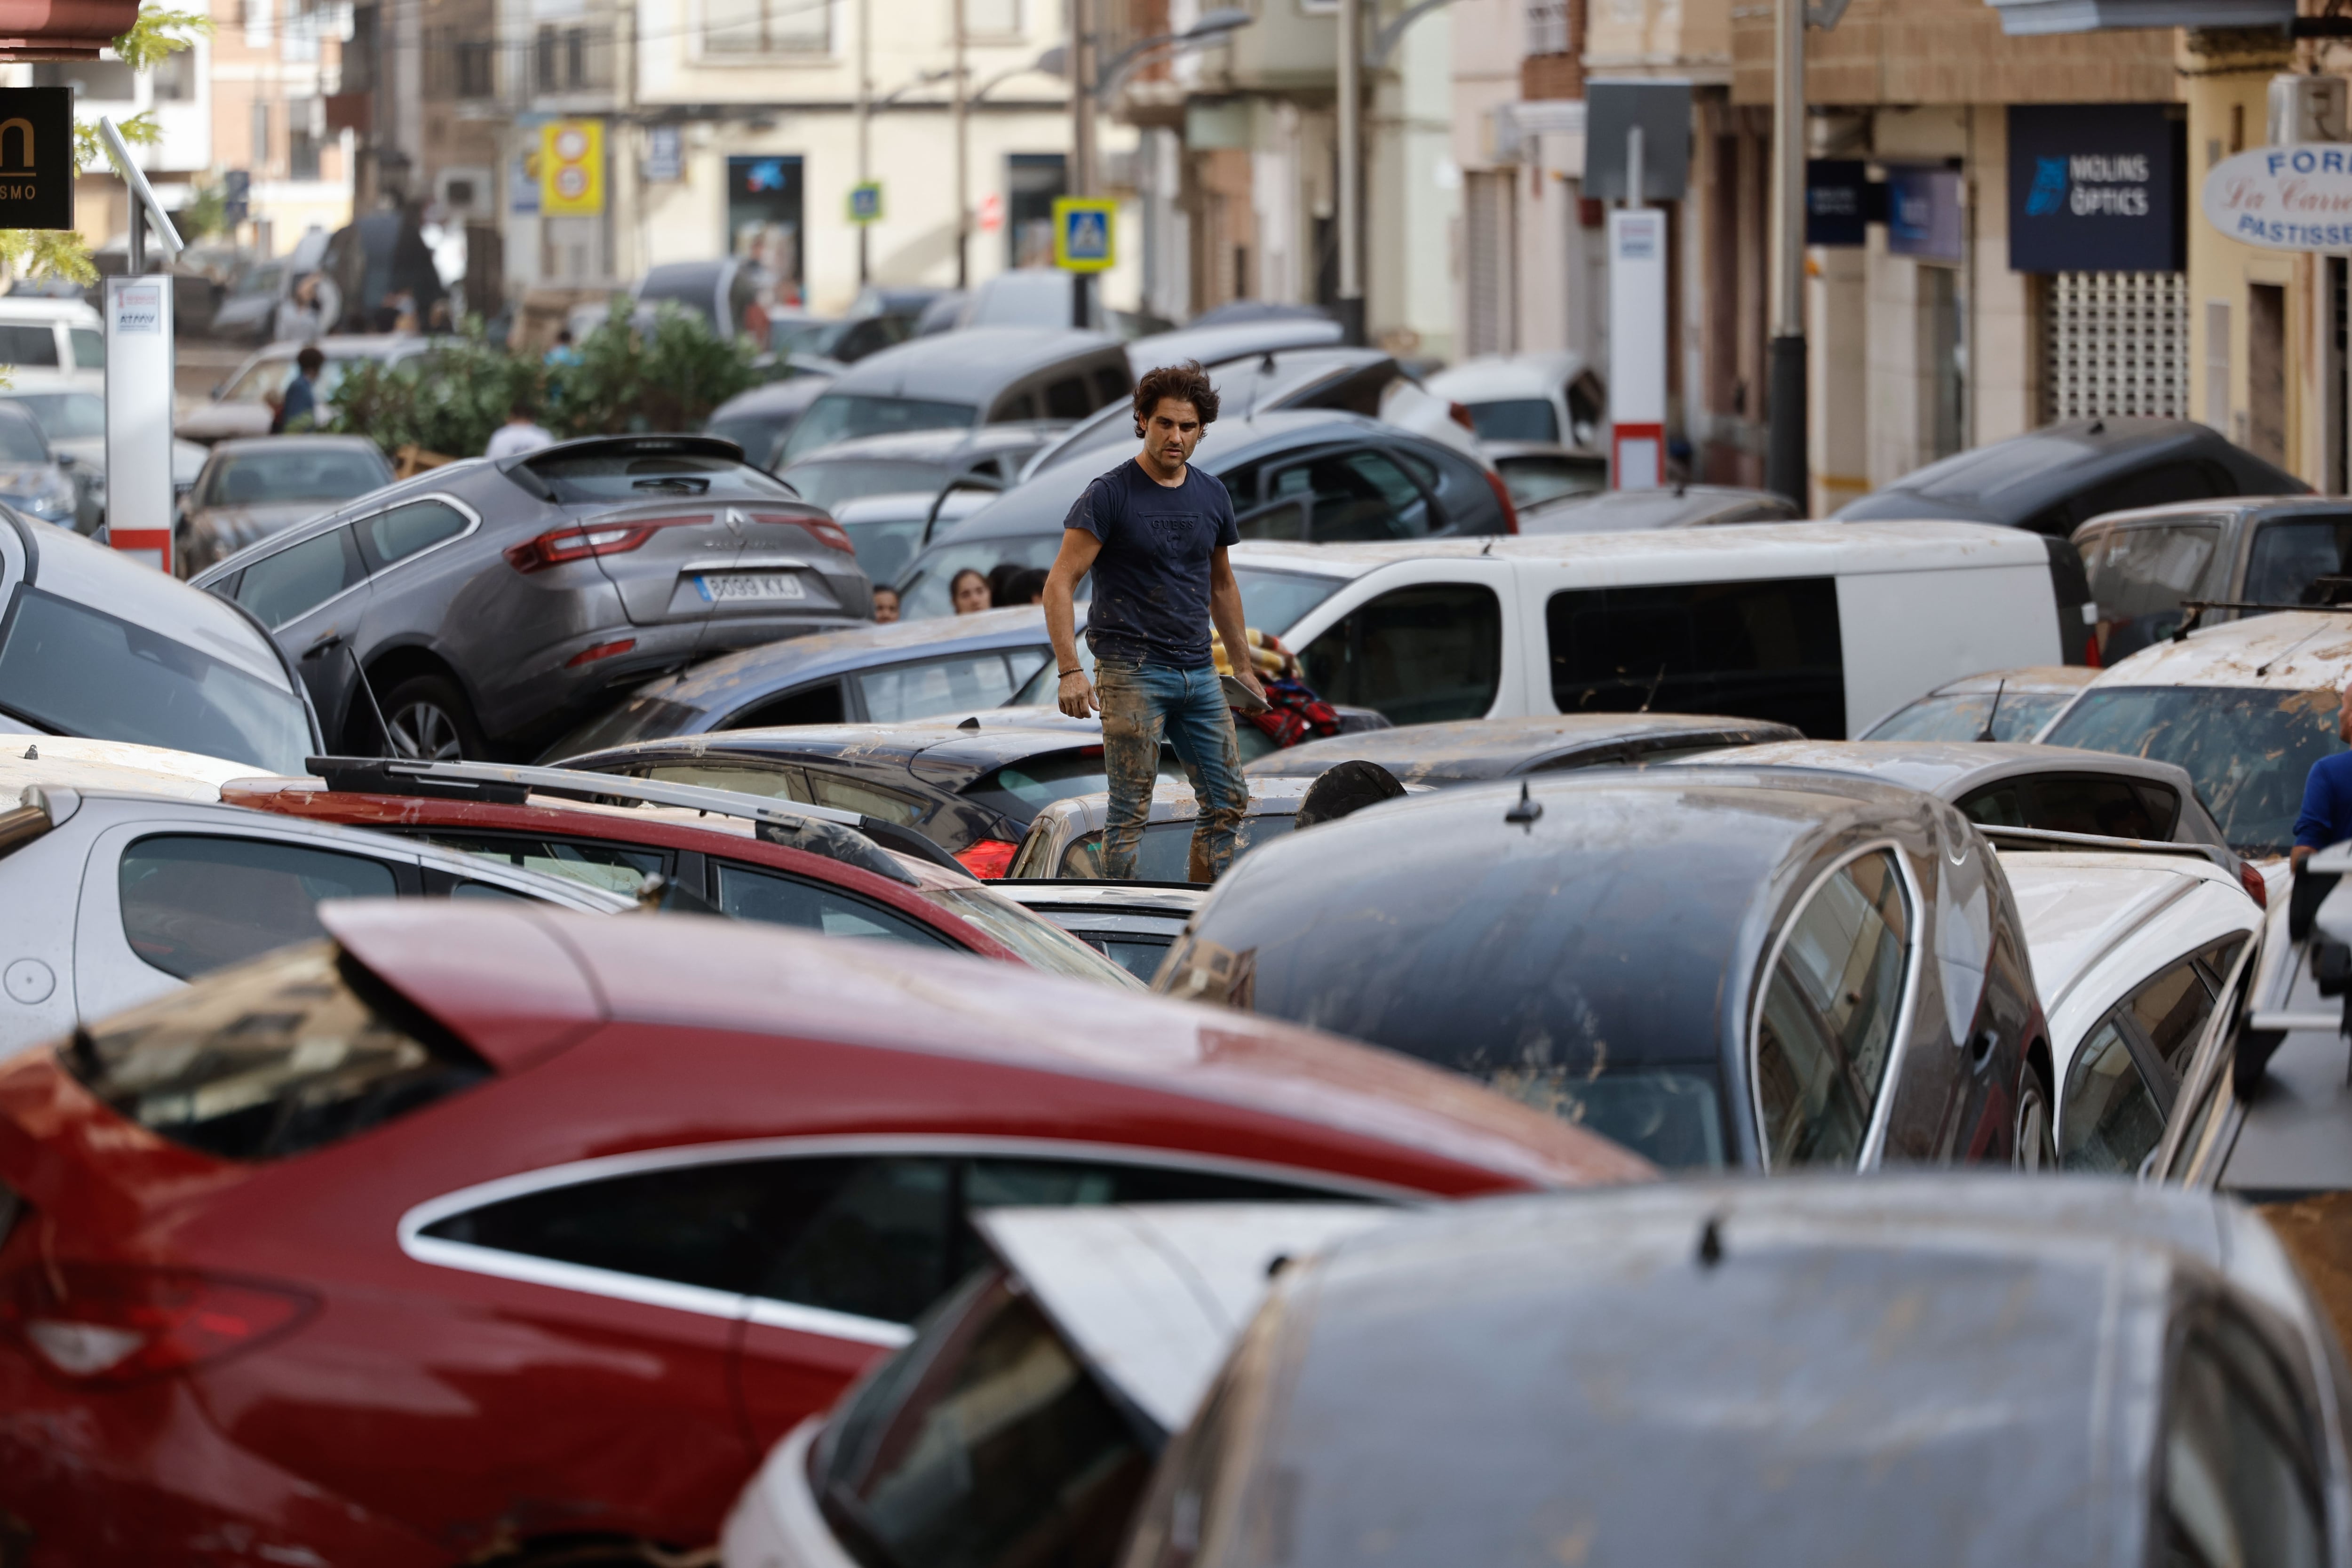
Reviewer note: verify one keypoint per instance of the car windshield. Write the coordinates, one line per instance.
(627, 475)
(846, 415)
(1960, 716)
(294, 473)
(1036, 940)
(828, 483)
(923, 593)
(1023, 789)
(2138, 577)
(1515, 419)
(1277, 601)
(2249, 749)
(1535, 481)
(801, 336)
(80, 671)
(20, 441)
(65, 415)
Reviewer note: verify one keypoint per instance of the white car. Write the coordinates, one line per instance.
(2130, 951)
(240, 405)
(73, 418)
(2245, 707)
(62, 337)
(1556, 397)
(1029, 1405)
(117, 886)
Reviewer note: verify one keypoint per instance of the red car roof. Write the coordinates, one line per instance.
(491, 973)
(310, 799)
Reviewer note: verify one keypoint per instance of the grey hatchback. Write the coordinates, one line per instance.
(494, 605)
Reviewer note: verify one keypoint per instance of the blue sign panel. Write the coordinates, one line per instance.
(2096, 188)
(1923, 213)
(1837, 201)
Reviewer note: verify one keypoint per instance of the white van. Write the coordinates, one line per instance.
(1824, 625)
(62, 337)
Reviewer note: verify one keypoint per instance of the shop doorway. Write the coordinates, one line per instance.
(763, 218)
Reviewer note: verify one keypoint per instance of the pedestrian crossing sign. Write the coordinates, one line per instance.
(1082, 234)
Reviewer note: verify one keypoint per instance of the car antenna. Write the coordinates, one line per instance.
(1651, 695)
(1266, 367)
(1525, 810)
(1710, 1242)
(1986, 733)
(1487, 547)
(391, 747)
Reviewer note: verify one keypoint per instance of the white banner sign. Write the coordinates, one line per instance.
(2284, 199)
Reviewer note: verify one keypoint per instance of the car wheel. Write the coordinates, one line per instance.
(430, 721)
(2037, 1148)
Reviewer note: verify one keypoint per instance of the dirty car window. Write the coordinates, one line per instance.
(2248, 750)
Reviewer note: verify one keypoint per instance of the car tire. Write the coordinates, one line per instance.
(2037, 1147)
(432, 722)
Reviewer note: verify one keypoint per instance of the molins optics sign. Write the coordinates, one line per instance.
(36, 170)
(2096, 188)
(2284, 199)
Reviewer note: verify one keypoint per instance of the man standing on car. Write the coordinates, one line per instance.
(1154, 531)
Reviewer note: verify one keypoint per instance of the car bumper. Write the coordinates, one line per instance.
(141, 1474)
(776, 1524)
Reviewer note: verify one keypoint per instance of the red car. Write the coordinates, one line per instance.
(716, 859)
(487, 1233)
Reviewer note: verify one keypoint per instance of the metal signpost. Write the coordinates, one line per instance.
(865, 203)
(1083, 231)
(138, 377)
(1637, 149)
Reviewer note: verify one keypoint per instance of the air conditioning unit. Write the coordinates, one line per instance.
(2306, 108)
(465, 193)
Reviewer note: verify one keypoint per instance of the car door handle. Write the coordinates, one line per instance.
(325, 645)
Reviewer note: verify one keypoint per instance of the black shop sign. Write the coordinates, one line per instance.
(2096, 187)
(36, 157)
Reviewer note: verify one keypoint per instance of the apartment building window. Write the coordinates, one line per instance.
(173, 77)
(766, 27)
(1489, 246)
(304, 119)
(1547, 27)
(545, 74)
(476, 69)
(2113, 344)
(993, 19)
(108, 82)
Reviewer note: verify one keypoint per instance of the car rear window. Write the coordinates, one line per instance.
(294, 473)
(1960, 716)
(2249, 749)
(2139, 576)
(28, 345)
(1023, 789)
(1515, 419)
(633, 475)
(1762, 649)
(829, 484)
(1037, 940)
(80, 671)
(296, 1050)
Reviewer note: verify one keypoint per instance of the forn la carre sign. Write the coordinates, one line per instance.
(2096, 188)
(36, 157)
(2284, 199)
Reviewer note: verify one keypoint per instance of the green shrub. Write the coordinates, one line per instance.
(666, 376)
(447, 400)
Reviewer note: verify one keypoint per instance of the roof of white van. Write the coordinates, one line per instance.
(1775, 549)
(1538, 374)
(39, 308)
(2290, 650)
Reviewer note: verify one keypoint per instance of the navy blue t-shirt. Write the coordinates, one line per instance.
(2327, 816)
(1150, 600)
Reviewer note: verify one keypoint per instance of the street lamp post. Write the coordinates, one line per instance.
(962, 168)
(865, 117)
(1351, 171)
(1784, 453)
(1082, 142)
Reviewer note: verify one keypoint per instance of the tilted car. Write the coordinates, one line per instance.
(1066, 838)
(253, 488)
(863, 674)
(73, 418)
(2003, 784)
(1133, 1308)
(494, 605)
(1477, 750)
(2244, 709)
(2241, 551)
(1939, 1369)
(1769, 969)
(2017, 703)
(491, 1231)
(715, 852)
(1556, 397)
(2132, 953)
(113, 892)
(95, 643)
(982, 375)
(971, 789)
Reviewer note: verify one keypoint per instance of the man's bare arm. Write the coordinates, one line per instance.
(1225, 613)
(1076, 559)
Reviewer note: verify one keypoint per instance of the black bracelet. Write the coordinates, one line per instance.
(1067, 673)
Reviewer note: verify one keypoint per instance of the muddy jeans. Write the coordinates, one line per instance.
(1138, 702)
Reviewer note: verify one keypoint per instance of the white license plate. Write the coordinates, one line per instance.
(718, 589)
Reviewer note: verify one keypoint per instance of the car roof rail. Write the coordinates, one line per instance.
(2052, 839)
(847, 836)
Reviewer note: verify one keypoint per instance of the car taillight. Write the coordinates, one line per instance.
(2252, 880)
(595, 651)
(1503, 498)
(987, 859)
(578, 541)
(113, 1323)
(824, 529)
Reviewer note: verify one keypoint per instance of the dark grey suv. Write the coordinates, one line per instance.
(494, 605)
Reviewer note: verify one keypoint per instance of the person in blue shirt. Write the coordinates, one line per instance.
(1154, 531)
(300, 398)
(2326, 815)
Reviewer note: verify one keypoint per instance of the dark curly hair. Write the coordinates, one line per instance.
(1187, 382)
